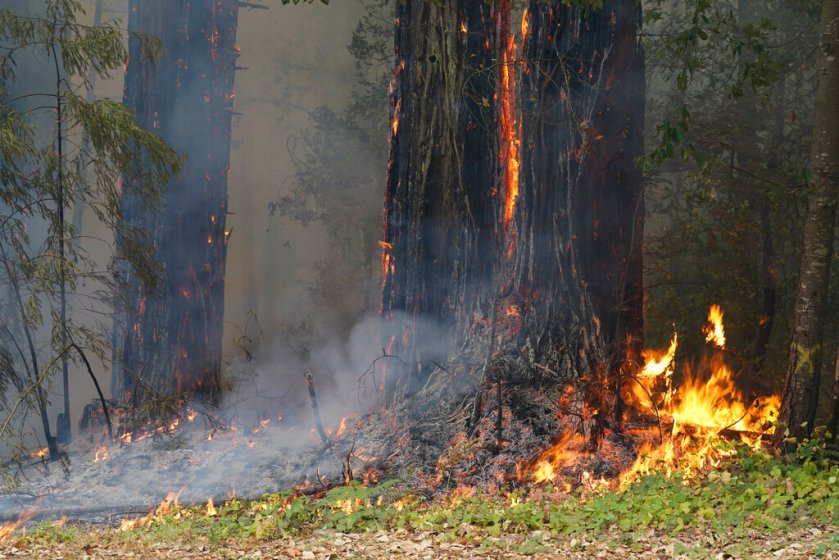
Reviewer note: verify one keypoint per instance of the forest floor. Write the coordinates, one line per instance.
(402, 543)
(754, 505)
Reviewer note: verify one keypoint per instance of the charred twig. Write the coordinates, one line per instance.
(320, 479)
(346, 467)
(655, 408)
(314, 400)
(98, 390)
(500, 293)
(692, 430)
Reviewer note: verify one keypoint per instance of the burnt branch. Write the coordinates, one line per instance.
(314, 400)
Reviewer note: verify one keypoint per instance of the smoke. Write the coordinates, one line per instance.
(293, 301)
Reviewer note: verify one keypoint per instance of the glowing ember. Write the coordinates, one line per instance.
(394, 125)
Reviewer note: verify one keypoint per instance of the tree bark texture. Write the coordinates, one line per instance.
(171, 336)
(441, 215)
(800, 397)
(581, 206)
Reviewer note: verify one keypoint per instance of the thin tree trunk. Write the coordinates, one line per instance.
(800, 397)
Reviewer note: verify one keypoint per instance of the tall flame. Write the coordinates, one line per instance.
(510, 128)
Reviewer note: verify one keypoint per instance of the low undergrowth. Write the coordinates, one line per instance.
(752, 491)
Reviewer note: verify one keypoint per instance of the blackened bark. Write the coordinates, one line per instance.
(441, 240)
(172, 336)
(581, 207)
(800, 397)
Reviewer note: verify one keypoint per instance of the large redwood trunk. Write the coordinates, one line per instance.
(580, 212)
(170, 339)
(441, 236)
(565, 203)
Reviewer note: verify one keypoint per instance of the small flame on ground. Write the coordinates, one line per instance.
(40, 453)
(705, 406)
(7, 530)
(564, 453)
(211, 509)
(700, 409)
(101, 454)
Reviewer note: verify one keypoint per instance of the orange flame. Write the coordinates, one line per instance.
(564, 453)
(715, 332)
(700, 409)
(7, 530)
(394, 125)
(169, 505)
(101, 454)
(40, 453)
(211, 509)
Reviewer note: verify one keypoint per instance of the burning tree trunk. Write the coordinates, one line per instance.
(798, 405)
(441, 239)
(571, 231)
(579, 216)
(170, 338)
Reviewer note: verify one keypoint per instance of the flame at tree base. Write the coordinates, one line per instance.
(694, 421)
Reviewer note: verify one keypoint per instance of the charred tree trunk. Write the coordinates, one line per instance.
(580, 211)
(800, 397)
(441, 215)
(171, 336)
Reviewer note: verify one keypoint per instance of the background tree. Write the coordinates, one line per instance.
(800, 398)
(168, 341)
(40, 172)
(725, 201)
(337, 183)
